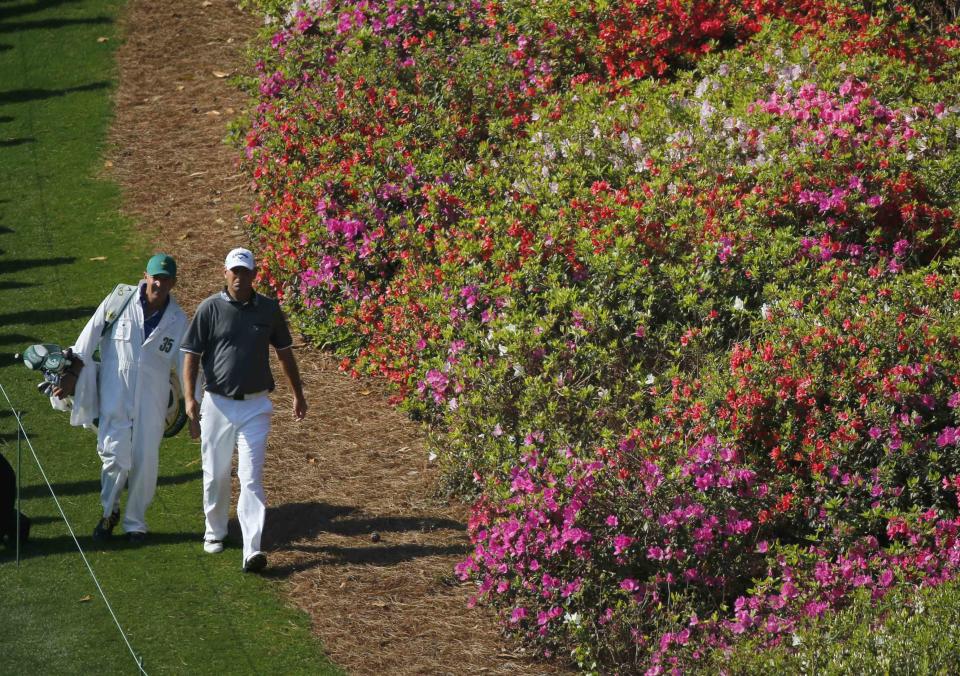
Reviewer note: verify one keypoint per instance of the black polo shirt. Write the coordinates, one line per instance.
(233, 339)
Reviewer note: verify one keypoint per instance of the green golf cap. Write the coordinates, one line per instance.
(162, 265)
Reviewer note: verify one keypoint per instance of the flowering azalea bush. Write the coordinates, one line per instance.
(675, 284)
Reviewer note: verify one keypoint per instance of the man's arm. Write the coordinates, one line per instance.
(191, 366)
(288, 364)
(84, 348)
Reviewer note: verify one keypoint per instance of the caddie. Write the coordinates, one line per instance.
(138, 330)
(230, 336)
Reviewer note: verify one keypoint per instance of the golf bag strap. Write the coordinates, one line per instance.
(116, 304)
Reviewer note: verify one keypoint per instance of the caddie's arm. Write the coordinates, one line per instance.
(83, 351)
(191, 367)
(69, 378)
(288, 364)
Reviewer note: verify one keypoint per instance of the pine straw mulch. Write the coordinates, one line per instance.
(354, 533)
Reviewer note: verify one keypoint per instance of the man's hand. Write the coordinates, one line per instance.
(68, 379)
(299, 407)
(288, 364)
(193, 415)
(67, 386)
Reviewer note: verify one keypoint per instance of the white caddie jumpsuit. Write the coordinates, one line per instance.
(130, 394)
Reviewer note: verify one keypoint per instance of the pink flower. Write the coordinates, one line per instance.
(621, 543)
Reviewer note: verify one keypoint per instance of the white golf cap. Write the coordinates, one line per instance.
(239, 258)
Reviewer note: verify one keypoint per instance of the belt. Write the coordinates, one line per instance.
(253, 395)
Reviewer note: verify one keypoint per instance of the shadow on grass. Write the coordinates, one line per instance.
(14, 339)
(47, 24)
(5, 118)
(15, 285)
(24, 95)
(4, 230)
(93, 485)
(38, 520)
(64, 544)
(45, 316)
(11, 142)
(20, 264)
(36, 6)
(4, 48)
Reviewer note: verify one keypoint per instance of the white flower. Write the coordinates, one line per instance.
(702, 87)
(502, 349)
(765, 311)
(706, 112)
(431, 457)
(452, 404)
(650, 379)
(738, 303)
(572, 618)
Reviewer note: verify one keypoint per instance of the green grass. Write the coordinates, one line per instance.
(184, 611)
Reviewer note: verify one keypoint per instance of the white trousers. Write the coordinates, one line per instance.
(226, 424)
(131, 462)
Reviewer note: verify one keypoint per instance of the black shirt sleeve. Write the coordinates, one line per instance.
(198, 332)
(280, 337)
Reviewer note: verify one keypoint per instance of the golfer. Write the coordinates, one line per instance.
(230, 337)
(138, 331)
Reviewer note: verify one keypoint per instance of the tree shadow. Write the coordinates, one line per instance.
(5, 118)
(378, 555)
(15, 285)
(38, 547)
(19, 264)
(14, 339)
(47, 24)
(24, 95)
(5, 48)
(304, 520)
(45, 316)
(37, 6)
(37, 520)
(4, 230)
(286, 524)
(93, 485)
(12, 142)
(9, 437)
